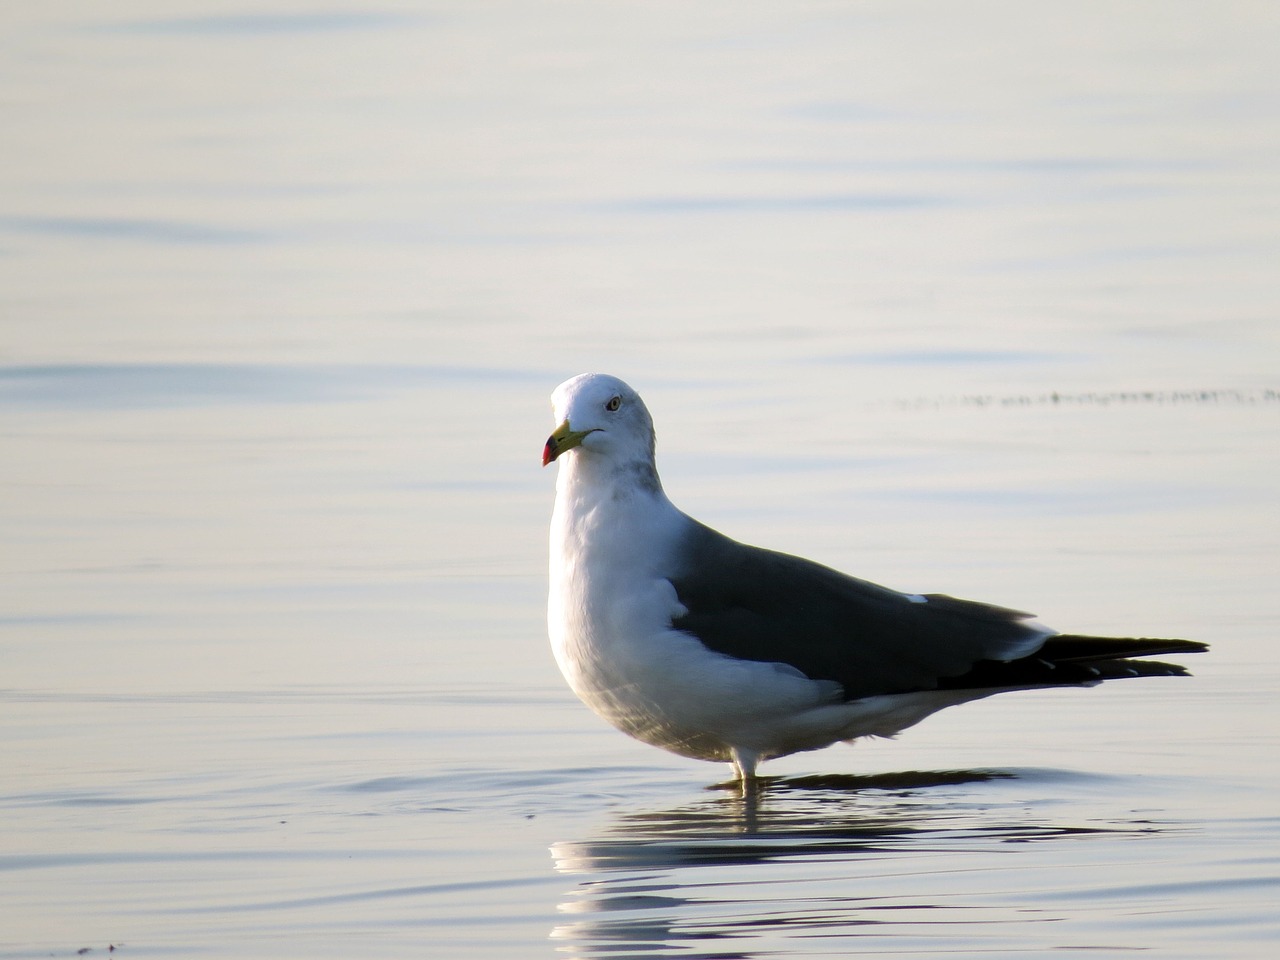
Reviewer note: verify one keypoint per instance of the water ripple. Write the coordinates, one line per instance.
(148, 385)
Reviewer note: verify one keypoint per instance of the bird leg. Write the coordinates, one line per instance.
(744, 764)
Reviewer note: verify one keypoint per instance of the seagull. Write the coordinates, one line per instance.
(712, 649)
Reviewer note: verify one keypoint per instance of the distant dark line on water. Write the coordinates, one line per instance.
(1239, 398)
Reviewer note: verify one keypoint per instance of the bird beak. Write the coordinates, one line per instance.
(563, 439)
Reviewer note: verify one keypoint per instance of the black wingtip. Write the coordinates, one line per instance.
(1076, 648)
(1071, 659)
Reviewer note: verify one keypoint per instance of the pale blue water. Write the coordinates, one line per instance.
(973, 299)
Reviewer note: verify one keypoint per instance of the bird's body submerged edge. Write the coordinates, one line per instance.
(712, 649)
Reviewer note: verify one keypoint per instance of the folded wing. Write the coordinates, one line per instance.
(756, 604)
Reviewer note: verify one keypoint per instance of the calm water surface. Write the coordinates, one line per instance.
(980, 300)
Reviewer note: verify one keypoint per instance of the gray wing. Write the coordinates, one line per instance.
(757, 604)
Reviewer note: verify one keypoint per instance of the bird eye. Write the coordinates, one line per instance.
(613, 404)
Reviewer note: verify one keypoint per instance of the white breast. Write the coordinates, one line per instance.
(609, 618)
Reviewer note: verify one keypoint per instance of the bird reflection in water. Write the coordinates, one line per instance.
(776, 870)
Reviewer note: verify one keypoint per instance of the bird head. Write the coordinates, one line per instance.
(602, 417)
